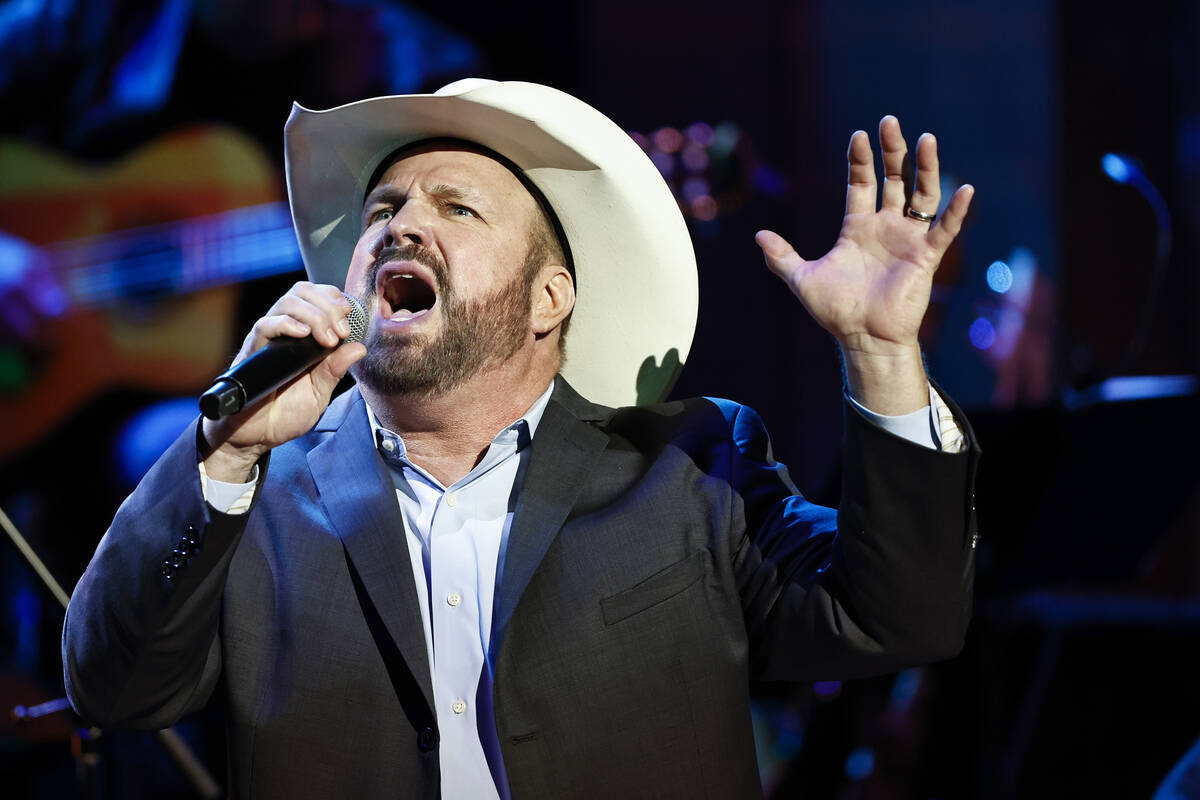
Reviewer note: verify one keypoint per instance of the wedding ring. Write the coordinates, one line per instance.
(921, 215)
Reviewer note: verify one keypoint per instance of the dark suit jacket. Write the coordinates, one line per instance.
(659, 559)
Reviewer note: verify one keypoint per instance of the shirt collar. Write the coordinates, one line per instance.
(519, 432)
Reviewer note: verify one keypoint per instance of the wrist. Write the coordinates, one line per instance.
(888, 379)
(224, 461)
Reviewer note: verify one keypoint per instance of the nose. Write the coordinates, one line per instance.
(408, 225)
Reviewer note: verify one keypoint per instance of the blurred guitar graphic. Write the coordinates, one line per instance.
(145, 253)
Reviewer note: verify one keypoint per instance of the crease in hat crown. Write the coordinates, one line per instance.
(637, 292)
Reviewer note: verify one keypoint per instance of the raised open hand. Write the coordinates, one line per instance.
(872, 288)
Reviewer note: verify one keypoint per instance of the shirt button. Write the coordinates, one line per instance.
(458, 707)
(388, 445)
(454, 598)
(451, 499)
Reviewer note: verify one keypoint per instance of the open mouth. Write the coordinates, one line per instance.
(404, 293)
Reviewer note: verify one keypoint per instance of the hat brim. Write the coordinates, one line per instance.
(635, 269)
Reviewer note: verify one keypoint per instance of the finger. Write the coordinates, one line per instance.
(781, 258)
(945, 229)
(322, 314)
(894, 149)
(323, 296)
(273, 327)
(860, 183)
(334, 367)
(927, 191)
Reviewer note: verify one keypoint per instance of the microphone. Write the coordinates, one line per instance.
(249, 381)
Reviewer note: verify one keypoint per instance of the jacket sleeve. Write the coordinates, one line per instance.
(881, 584)
(140, 639)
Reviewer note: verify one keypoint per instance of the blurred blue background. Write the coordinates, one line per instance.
(141, 232)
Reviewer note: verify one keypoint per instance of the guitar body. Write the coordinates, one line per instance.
(127, 338)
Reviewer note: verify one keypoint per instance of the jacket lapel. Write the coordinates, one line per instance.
(563, 452)
(357, 493)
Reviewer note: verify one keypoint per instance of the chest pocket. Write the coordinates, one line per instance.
(662, 585)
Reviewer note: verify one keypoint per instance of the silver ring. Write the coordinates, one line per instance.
(921, 215)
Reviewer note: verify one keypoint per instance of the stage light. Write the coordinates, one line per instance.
(1120, 168)
(695, 158)
(982, 334)
(693, 188)
(860, 763)
(664, 161)
(704, 208)
(999, 277)
(700, 133)
(668, 140)
(725, 138)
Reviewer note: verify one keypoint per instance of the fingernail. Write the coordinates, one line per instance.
(343, 328)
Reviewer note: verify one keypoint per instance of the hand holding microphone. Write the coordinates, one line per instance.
(282, 380)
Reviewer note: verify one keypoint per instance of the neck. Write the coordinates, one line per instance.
(446, 434)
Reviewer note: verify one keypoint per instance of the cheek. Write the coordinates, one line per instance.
(360, 268)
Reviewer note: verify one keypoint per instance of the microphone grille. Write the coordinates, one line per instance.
(357, 319)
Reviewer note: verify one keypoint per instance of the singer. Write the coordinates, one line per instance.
(485, 570)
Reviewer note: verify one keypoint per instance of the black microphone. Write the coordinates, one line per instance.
(249, 381)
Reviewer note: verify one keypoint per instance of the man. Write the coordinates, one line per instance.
(409, 593)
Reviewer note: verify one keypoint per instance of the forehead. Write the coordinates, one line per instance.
(456, 167)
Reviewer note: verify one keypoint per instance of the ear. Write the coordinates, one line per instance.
(553, 299)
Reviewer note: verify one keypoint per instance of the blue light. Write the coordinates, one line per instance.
(982, 334)
(144, 76)
(146, 435)
(1144, 387)
(1118, 167)
(860, 763)
(27, 608)
(999, 277)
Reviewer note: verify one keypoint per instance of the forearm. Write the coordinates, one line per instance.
(906, 542)
(139, 640)
(890, 589)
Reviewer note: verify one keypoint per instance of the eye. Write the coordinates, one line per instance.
(381, 214)
(462, 211)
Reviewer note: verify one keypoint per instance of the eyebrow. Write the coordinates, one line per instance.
(442, 191)
(446, 191)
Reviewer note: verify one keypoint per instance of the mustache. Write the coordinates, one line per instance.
(409, 252)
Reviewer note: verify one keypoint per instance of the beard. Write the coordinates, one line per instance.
(474, 333)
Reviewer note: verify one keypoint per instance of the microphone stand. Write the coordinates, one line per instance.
(1132, 175)
(85, 742)
(1125, 170)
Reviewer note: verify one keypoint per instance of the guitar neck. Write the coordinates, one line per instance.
(178, 257)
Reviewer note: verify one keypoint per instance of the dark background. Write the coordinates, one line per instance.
(1078, 678)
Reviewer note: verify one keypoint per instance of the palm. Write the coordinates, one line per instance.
(872, 288)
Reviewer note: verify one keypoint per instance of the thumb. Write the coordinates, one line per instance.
(331, 370)
(781, 258)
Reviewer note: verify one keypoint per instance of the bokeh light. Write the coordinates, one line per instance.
(982, 333)
(704, 208)
(700, 133)
(999, 277)
(669, 140)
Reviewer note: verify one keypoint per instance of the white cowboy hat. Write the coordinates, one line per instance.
(635, 270)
